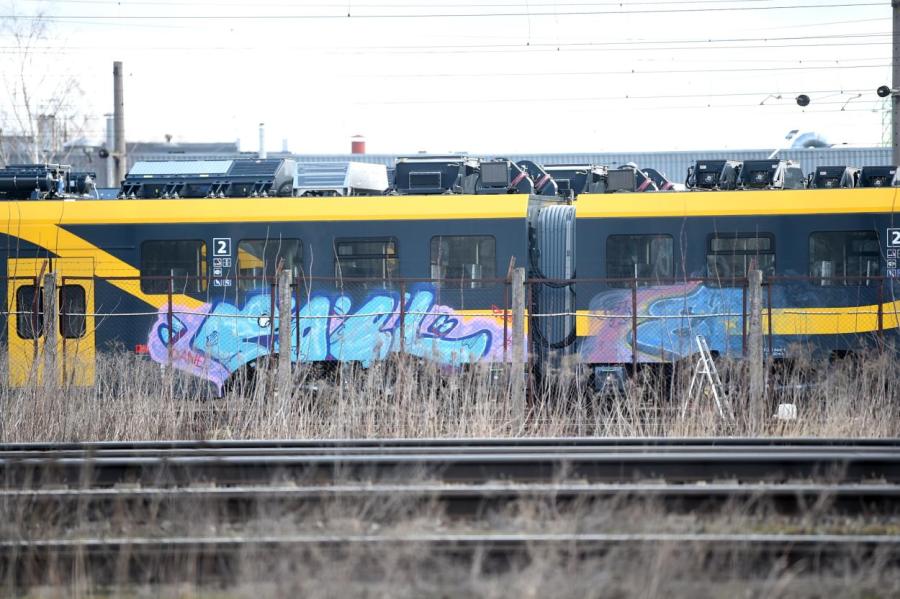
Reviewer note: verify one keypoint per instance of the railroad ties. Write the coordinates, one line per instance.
(463, 481)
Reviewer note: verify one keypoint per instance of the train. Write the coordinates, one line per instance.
(180, 269)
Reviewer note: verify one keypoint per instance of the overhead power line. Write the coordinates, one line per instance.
(622, 97)
(441, 15)
(620, 72)
(528, 44)
(381, 5)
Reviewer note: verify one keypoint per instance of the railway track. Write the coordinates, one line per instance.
(547, 460)
(466, 479)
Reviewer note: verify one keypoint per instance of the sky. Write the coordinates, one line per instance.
(477, 76)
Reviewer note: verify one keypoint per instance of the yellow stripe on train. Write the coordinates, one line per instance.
(785, 321)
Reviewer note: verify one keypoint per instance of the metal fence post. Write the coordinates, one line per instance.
(64, 333)
(402, 316)
(51, 329)
(170, 314)
(881, 314)
(769, 314)
(518, 348)
(34, 316)
(297, 314)
(634, 324)
(284, 333)
(272, 311)
(744, 319)
(505, 319)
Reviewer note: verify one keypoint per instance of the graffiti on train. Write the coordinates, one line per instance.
(670, 317)
(216, 340)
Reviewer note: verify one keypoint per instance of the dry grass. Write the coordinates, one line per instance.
(416, 570)
(136, 399)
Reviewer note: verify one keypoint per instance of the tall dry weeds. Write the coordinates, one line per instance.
(134, 398)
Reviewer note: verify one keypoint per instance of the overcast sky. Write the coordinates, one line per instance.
(483, 76)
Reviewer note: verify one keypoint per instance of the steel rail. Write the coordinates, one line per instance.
(468, 500)
(589, 464)
(168, 454)
(658, 442)
(581, 543)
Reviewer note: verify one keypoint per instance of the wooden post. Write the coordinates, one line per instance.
(51, 329)
(755, 340)
(518, 347)
(284, 333)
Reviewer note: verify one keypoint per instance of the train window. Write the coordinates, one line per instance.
(463, 257)
(729, 256)
(844, 257)
(185, 259)
(72, 308)
(28, 324)
(366, 258)
(639, 256)
(257, 260)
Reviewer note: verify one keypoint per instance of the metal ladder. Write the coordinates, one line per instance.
(707, 375)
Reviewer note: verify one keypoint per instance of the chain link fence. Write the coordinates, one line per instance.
(214, 327)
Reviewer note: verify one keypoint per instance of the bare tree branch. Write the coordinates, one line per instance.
(42, 101)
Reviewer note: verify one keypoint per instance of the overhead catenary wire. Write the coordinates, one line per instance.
(532, 44)
(382, 5)
(439, 15)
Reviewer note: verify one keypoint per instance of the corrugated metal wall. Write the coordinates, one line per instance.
(673, 164)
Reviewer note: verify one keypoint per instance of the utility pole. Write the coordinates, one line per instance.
(895, 85)
(119, 125)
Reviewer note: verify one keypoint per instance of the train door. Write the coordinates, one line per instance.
(75, 347)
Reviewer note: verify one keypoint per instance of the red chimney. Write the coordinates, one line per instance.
(357, 144)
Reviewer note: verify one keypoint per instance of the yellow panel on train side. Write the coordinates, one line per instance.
(739, 203)
(75, 348)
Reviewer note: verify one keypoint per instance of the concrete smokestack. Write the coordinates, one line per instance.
(262, 140)
(121, 160)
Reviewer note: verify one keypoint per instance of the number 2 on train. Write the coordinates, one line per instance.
(893, 238)
(222, 246)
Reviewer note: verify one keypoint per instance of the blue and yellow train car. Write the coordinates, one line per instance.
(617, 279)
(192, 280)
(829, 258)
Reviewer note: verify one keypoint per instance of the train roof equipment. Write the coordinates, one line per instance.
(500, 175)
(629, 177)
(770, 174)
(832, 177)
(575, 179)
(621, 179)
(238, 178)
(661, 181)
(428, 175)
(44, 182)
(317, 179)
(543, 183)
(878, 176)
(713, 174)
